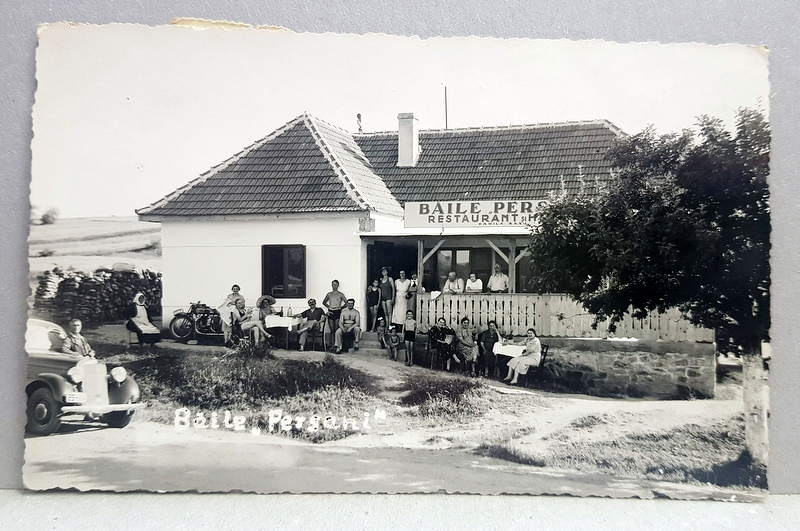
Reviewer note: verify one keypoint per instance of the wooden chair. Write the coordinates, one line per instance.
(539, 374)
(316, 335)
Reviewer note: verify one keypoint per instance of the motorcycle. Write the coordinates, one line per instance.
(199, 322)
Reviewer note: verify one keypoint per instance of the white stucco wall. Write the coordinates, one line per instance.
(202, 259)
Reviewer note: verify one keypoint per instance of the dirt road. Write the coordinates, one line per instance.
(151, 456)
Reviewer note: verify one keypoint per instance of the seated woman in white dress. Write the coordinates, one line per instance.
(529, 358)
(139, 322)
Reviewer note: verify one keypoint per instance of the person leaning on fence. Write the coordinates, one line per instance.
(498, 283)
(453, 285)
(529, 358)
(474, 284)
(140, 322)
(313, 321)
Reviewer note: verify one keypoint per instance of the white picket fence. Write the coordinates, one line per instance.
(552, 315)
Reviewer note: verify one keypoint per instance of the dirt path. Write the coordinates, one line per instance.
(543, 417)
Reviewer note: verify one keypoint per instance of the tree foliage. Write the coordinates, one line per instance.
(49, 217)
(684, 223)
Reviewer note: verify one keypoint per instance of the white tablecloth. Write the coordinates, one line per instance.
(509, 350)
(276, 321)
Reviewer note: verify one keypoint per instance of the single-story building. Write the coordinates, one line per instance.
(312, 202)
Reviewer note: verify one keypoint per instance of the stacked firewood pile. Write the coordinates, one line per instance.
(46, 290)
(98, 297)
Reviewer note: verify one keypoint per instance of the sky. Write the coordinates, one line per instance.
(126, 114)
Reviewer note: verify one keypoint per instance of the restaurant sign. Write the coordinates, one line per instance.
(503, 213)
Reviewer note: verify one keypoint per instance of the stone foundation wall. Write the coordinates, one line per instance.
(632, 368)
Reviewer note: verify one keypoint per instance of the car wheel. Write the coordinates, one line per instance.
(181, 328)
(117, 419)
(43, 413)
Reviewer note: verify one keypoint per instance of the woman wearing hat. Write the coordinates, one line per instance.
(257, 319)
(138, 315)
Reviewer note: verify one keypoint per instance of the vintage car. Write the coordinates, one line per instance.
(58, 384)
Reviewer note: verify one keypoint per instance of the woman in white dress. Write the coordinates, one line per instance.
(401, 286)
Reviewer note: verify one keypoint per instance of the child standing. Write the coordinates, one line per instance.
(393, 343)
(409, 335)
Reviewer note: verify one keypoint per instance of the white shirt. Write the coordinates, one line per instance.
(456, 285)
(498, 282)
(474, 287)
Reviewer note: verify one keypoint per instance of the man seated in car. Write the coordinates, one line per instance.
(350, 323)
(313, 317)
(75, 343)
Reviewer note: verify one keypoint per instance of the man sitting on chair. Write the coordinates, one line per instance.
(350, 323)
(313, 318)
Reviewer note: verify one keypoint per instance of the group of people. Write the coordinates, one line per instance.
(497, 283)
(392, 297)
(341, 317)
(475, 352)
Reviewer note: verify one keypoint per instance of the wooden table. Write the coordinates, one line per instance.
(277, 321)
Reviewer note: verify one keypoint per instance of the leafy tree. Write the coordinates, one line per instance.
(50, 217)
(684, 224)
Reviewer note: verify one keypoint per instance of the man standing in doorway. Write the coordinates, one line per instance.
(350, 324)
(498, 283)
(453, 284)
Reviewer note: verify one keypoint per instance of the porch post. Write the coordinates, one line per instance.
(512, 265)
(420, 275)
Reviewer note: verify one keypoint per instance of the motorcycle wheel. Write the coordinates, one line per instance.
(181, 328)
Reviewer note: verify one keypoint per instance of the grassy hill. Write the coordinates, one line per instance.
(85, 244)
(93, 237)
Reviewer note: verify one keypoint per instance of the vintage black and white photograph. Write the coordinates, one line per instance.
(266, 261)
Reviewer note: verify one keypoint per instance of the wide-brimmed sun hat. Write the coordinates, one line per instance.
(268, 298)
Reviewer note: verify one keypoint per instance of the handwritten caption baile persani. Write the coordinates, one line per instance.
(277, 421)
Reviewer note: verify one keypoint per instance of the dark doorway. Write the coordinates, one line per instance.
(396, 258)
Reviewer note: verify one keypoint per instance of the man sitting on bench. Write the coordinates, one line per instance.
(350, 324)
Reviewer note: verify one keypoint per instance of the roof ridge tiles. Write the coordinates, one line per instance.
(599, 121)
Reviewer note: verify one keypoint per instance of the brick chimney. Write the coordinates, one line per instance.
(407, 140)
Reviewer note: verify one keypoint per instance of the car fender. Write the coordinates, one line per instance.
(58, 385)
(124, 392)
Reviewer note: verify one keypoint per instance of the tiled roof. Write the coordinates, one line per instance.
(305, 166)
(310, 166)
(515, 162)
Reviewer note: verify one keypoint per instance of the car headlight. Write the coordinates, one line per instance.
(75, 374)
(119, 374)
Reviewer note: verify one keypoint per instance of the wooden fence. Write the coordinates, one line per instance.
(551, 315)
